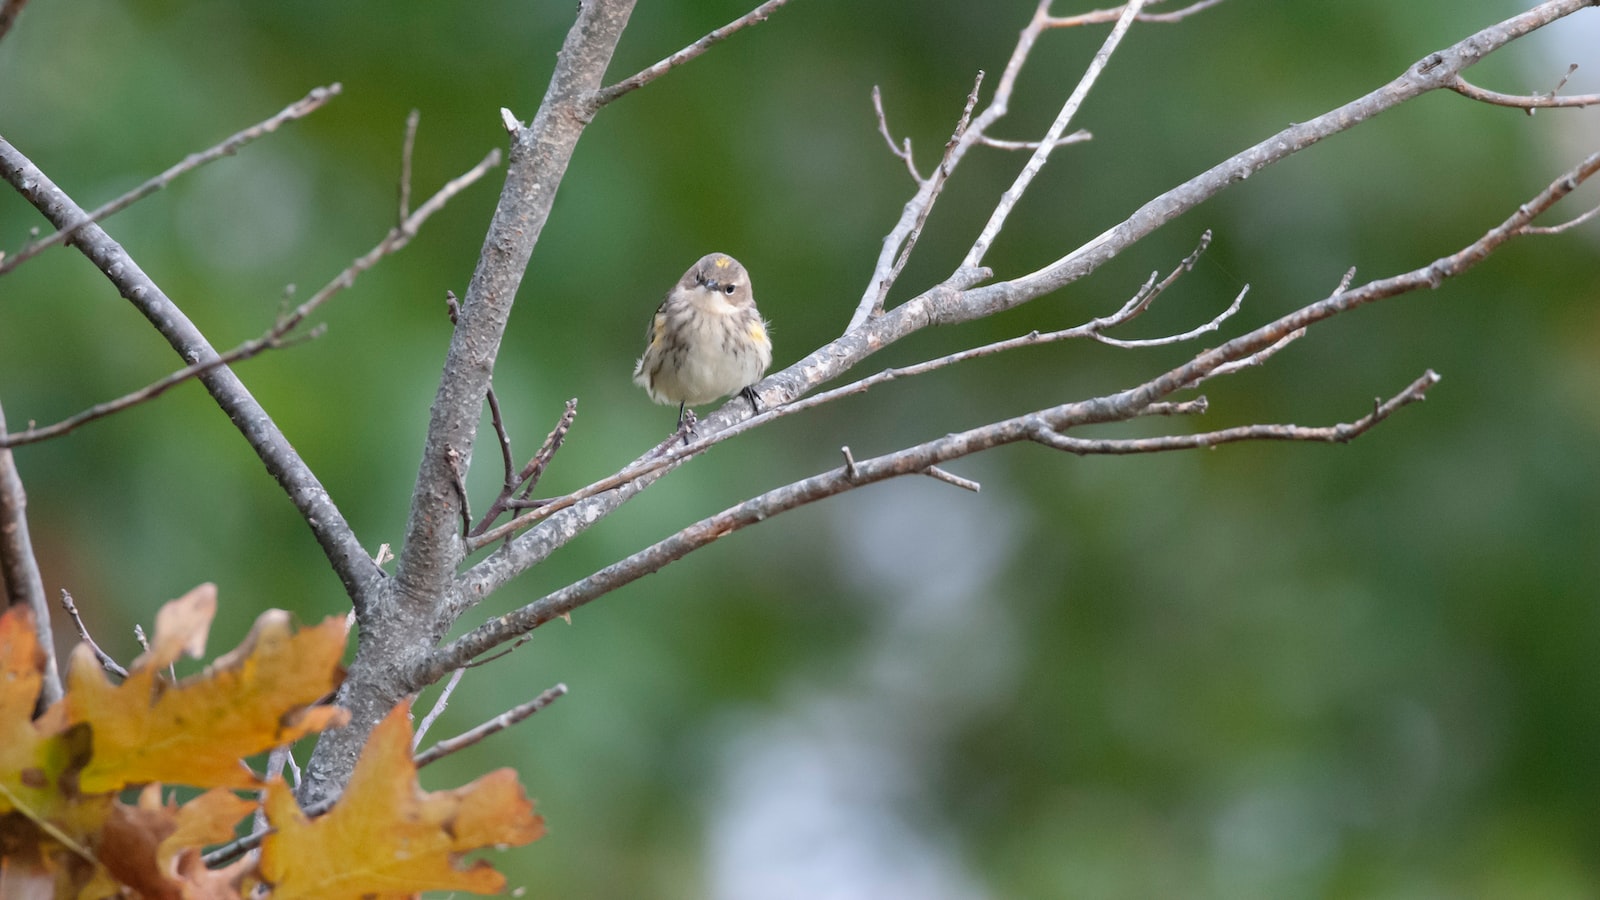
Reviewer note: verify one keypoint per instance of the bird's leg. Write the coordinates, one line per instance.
(687, 420)
(749, 393)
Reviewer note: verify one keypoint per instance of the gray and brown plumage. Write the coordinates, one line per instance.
(707, 339)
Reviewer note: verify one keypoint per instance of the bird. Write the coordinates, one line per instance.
(706, 341)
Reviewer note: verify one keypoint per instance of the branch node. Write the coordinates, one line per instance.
(850, 470)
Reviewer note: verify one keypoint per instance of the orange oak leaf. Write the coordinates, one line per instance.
(196, 731)
(46, 826)
(386, 837)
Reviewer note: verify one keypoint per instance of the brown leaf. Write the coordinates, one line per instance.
(154, 847)
(196, 731)
(127, 846)
(386, 837)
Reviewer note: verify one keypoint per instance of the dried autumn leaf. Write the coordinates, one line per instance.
(386, 837)
(182, 626)
(45, 825)
(196, 731)
(154, 847)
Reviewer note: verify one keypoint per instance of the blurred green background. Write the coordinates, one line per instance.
(1264, 671)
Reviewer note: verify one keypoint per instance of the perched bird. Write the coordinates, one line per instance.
(707, 339)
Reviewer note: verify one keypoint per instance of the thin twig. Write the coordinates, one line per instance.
(504, 440)
(438, 708)
(106, 661)
(276, 336)
(1254, 359)
(407, 146)
(1008, 200)
(939, 474)
(1341, 433)
(294, 768)
(935, 185)
(499, 723)
(1213, 325)
(485, 660)
(1077, 137)
(299, 109)
(1100, 16)
(534, 470)
(1557, 229)
(902, 150)
(529, 476)
(277, 758)
(1529, 102)
(271, 340)
(397, 238)
(645, 76)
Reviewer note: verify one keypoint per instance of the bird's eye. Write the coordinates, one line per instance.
(727, 289)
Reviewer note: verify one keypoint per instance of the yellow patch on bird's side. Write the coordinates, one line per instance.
(758, 333)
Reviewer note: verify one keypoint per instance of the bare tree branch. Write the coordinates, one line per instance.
(645, 76)
(1030, 427)
(439, 706)
(497, 724)
(407, 146)
(1008, 199)
(419, 604)
(274, 337)
(299, 109)
(1528, 102)
(1342, 433)
(19, 568)
(934, 185)
(106, 661)
(1100, 16)
(956, 301)
(901, 150)
(666, 457)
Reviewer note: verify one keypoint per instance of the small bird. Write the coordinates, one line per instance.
(707, 339)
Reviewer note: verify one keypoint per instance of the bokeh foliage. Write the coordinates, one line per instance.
(1268, 670)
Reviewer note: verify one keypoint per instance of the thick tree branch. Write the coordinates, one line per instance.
(20, 569)
(416, 607)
